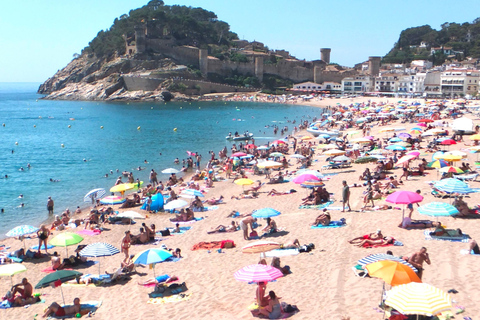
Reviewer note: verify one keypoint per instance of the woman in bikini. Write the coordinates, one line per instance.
(43, 234)
(126, 242)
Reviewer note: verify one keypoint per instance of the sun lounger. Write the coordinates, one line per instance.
(467, 177)
(360, 271)
(281, 253)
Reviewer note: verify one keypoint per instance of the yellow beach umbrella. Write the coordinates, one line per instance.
(269, 164)
(451, 158)
(328, 146)
(387, 130)
(12, 269)
(475, 137)
(244, 182)
(392, 272)
(123, 187)
(306, 138)
(456, 153)
(334, 152)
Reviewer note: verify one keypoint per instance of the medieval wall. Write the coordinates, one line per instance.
(184, 55)
(141, 83)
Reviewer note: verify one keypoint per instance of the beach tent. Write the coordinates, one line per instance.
(157, 203)
(463, 124)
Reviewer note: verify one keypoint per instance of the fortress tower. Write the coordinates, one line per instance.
(325, 55)
(259, 68)
(203, 61)
(374, 65)
(140, 41)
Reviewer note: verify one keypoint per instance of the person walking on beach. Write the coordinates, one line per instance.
(153, 178)
(417, 260)
(126, 242)
(50, 205)
(346, 196)
(368, 195)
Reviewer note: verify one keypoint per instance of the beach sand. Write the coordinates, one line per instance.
(322, 284)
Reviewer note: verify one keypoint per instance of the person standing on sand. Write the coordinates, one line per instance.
(417, 260)
(50, 205)
(346, 196)
(126, 242)
(153, 178)
(244, 225)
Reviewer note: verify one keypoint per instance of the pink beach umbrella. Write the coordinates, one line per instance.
(304, 177)
(258, 273)
(404, 197)
(239, 154)
(421, 124)
(413, 153)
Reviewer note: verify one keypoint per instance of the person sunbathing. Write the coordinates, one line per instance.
(408, 223)
(379, 242)
(128, 265)
(254, 189)
(442, 232)
(271, 226)
(245, 196)
(313, 202)
(291, 244)
(461, 206)
(222, 228)
(59, 311)
(214, 201)
(392, 184)
(274, 192)
(372, 236)
(20, 302)
(56, 262)
(276, 264)
(160, 279)
(323, 219)
(140, 238)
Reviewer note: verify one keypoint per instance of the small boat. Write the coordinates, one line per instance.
(316, 129)
(245, 136)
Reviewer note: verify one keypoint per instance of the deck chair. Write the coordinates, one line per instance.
(467, 177)
(359, 271)
(114, 276)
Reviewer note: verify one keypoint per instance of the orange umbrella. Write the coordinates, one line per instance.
(392, 272)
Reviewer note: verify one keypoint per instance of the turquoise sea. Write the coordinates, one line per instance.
(35, 130)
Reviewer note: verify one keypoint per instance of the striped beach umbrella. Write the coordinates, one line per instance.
(436, 209)
(418, 299)
(395, 147)
(21, 231)
(152, 256)
(437, 164)
(452, 185)
(312, 184)
(99, 249)
(451, 169)
(112, 200)
(334, 152)
(94, 194)
(383, 256)
(258, 273)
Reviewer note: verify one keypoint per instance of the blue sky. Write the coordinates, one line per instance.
(40, 37)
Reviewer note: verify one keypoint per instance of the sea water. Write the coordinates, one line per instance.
(76, 143)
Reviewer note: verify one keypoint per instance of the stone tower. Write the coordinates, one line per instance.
(259, 68)
(203, 61)
(140, 39)
(325, 55)
(374, 65)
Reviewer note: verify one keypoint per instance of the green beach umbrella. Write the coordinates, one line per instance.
(66, 239)
(57, 278)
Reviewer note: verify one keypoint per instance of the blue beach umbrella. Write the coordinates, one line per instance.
(395, 140)
(324, 136)
(396, 147)
(265, 213)
(437, 209)
(191, 192)
(452, 185)
(151, 257)
(21, 231)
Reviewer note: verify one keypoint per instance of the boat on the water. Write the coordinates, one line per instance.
(317, 129)
(240, 137)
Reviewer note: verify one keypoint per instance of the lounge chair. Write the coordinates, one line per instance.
(467, 177)
(360, 271)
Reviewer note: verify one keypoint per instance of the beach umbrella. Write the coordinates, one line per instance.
(304, 177)
(404, 135)
(386, 130)
(334, 152)
(451, 169)
(151, 257)
(312, 184)
(451, 157)
(403, 144)
(418, 299)
(269, 164)
(425, 120)
(421, 124)
(310, 171)
(452, 185)
(304, 138)
(263, 148)
(437, 209)
(383, 256)
(99, 249)
(258, 273)
(94, 194)
(324, 136)
(404, 197)
(20, 231)
(405, 159)
(244, 182)
(413, 153)
(297, 156)
(395, 147)
(170, 171)
(11, 269)
(395, 140)
(456, 153)
(265, 213)
(66, 239)
(366, 159)
(238, 154)
(261, 246)
(342, 158)
(132, 215)
(175, 204)
(250, 146)
(122, 187)
(475, 137)
(191, 192)
(57, 278)
(278, 142)
(328, 146)
(378, 151)
(112, 200)
(276, 154)
(413, 131)
(448, 142)
(361, 140)
(392, 272)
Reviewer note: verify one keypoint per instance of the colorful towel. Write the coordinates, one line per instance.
(333, 224)
(50, 270)
(463, 238)
(90, 305)
(211, 208)
(282, 253)
(174, 298)
(86, 232)
(49, 246)
(318, 206)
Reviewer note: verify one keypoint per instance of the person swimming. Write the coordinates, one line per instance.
(54, 180)
(21, 169)
(20, 196)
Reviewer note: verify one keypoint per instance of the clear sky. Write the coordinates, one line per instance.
(40, 37)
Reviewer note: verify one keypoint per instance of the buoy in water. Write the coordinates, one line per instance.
(101, 127)
(138, 128)
(175, 129)
(63, 146)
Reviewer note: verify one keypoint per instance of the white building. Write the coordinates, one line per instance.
(460, 82)
(411, 84)
(360, 84)
(386, 83)
(312, 86)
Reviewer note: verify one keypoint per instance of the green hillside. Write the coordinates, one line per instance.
(463, 37)
(189, 26)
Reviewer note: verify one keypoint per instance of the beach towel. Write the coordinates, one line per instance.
(50, 270)
(333, 224)
(395, 243)
(468, 252)
(336, 208)
(318, 206)
(463, 238)
(174, 298)
(182, 230)
(211, 245)
(87, 232)
(211, 208)
(187, 222)
(282, 253)
(90, 305)
(49, 246)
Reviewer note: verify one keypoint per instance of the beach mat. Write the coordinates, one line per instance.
(463, 238)
(49, 246)
(187, 222)
(336, 208)
(281, 253)
(86, 232)
(91, 305)
(50, 270)
(318, 207)
(333, 224)
(468, 252)
(174, 298)
(182, 230)
(211, 208)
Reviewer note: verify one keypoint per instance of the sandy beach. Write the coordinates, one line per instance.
(322, 284)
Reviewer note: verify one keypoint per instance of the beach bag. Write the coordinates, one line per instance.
(253, 234)
(227, 244)
(165, 232)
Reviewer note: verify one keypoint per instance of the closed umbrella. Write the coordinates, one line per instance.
(152, 257)
(94, 194)
(11, 269)
(57, 278)
(66, 239)
(99, 249)
(258, 273)
(418, 299)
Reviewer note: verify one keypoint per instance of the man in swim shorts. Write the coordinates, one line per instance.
(27, 290)
(59, 311)
(244, 225)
